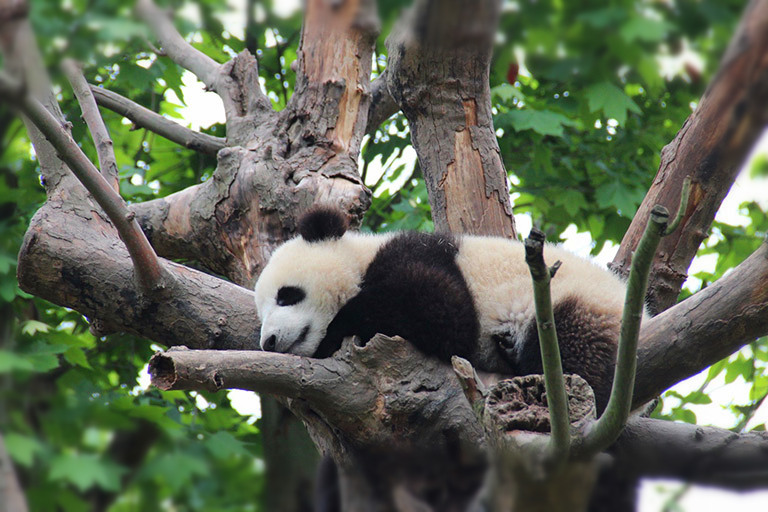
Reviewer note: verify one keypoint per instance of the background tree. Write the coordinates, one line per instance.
(580, 120)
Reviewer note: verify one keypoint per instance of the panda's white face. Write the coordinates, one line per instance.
(302, 288)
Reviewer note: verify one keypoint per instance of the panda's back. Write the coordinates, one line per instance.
(500, 283)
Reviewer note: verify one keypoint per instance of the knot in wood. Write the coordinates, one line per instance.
(520, 404)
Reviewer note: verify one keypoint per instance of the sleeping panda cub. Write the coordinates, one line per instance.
(469, 296)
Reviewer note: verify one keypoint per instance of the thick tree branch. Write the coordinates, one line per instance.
(711, 146)
(144, 118)
(448, 106)
(148, 270)
(383, 105)
(557, 399)
(359, 407)
(334, 62)
(12, 498)
(96, 126)
(79, 263)
(702, 455)
(704, 328)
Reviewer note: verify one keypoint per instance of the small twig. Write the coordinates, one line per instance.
(607, 429)
(684, 195)
(473, 387)
(99, 133)
(145, 260)
(145, 118)
(177, 49)
(557, 398)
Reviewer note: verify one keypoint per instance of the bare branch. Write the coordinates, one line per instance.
(557, 399)
(281, 375)
(614, 418)
(696, 454)
(154, 122)
(383, 105)
(180, 51)
(11, 496)
(711, 146)
(704, 328)
(99, 133)
(145, 261)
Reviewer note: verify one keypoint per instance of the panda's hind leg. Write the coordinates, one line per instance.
(588, 341)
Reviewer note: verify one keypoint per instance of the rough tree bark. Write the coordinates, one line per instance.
(438, 64)
(360, 406)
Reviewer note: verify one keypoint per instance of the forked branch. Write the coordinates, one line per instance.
(154, 122)
(145, 260)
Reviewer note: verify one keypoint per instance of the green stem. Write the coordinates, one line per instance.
(557, 398)
(607, 429)
(684, 195)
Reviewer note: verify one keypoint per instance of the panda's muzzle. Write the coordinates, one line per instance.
(270, 344)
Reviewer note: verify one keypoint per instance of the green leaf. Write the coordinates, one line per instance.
(22, 449)
(85, 471)
(11, 361)
(611, 100)
(76, 356)
(572, 200)
(177, 469)
(618, 195)
(504, 93)
(223, 445)
(544, 122)
(644, 29)
(31, 327)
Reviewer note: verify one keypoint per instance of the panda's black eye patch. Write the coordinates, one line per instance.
(290, 295)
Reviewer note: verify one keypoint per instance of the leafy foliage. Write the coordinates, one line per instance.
(583, 107)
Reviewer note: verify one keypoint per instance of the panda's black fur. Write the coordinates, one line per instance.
(412, 288)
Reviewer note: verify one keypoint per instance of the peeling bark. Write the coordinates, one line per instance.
(438, 66)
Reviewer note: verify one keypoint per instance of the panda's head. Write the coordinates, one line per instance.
(305, 283)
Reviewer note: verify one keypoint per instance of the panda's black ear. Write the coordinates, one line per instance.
(322, 222)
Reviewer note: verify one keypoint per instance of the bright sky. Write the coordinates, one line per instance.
(206, 108)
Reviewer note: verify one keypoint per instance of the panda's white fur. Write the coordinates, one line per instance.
(328, 271)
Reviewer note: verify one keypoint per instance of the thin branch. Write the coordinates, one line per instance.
(99, 133)
(684, 196)
(473, 387)
(144, 258)
(557, 399)
(614, 418)
(180, 51)
(154, 122)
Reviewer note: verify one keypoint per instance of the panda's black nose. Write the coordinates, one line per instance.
(269, 343)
